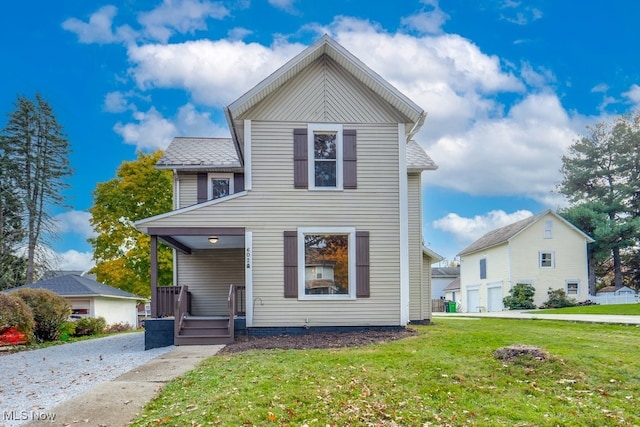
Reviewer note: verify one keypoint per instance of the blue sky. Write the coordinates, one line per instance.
(508, 85)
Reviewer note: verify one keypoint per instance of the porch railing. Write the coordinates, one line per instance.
(181, 309)
(231, 300)
(165, 299)
(241, 300)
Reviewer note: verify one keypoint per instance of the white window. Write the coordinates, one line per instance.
(328, 256)
(220, 185)
(573, 287)
(325, 156)
(547, 259)
(548, 229)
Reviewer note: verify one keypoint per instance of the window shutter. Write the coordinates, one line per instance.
(300, 159)
(483, 268)
(203, 190)
(362, 264)
(349, 155)
(290, 264)
(238, 182)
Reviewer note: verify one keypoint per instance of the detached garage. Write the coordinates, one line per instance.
(89, 298)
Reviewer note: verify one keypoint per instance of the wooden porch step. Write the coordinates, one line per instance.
(202, 339)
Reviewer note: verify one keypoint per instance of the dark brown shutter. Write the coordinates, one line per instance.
(290, 264)
(349, 155)
(238, 182)
(362, 264)
(300, 159)
(203, 190)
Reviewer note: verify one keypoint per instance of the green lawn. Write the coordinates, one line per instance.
(628, 309)
(445, 376)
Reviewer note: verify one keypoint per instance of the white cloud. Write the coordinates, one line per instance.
(213, 72)
(97, 30)
(633, 94)
(150, 132)
(76, 222)
(181, 16)
(191, 122)
(468, 230)
(74, 260)
(238, 33)
(519, 154)
(116, 102)
(285, 5)
(427, 22)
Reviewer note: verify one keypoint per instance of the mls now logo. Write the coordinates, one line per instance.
(27, 415)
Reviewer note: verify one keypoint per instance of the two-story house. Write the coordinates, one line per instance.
(543, 250)
(309, 216)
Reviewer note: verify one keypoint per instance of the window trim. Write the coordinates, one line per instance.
(553, 259)
(312, 129)
(351, 232)
(212, 175)
(572, 282)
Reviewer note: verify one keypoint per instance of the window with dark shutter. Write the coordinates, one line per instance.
(300, 159)
(349, 169)
(238, 182)
(203, 187)
(290, 264)
(362, 264)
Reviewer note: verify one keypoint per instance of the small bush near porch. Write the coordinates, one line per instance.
(447, 374)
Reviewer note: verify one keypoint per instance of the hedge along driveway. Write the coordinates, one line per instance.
(40, 379)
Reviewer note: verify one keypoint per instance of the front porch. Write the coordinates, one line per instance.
(209, 310)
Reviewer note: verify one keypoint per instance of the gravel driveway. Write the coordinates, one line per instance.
(38, 380)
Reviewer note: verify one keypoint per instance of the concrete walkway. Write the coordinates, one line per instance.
(116, 403)
(527, 314)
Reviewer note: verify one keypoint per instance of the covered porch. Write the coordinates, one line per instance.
(207, 301)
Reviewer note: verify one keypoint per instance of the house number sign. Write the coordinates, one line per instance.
(248, 257)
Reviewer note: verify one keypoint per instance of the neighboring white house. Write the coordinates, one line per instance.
(441, 277)
(89, 298)
(543, 250)
(613, 295)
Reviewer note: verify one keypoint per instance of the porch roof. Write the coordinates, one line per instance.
(187, 239)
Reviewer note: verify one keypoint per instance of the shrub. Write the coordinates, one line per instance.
(16, 313)
(68, 329)
(118, 327)
(90, 326)
(50, 311)
(520, 297)
(558, 299)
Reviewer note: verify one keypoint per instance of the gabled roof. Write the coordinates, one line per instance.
(454, 285)
(504, 234)
(445, 271)
(200, 154)
(72, 285)
(326, 46)
(435, 257)
(417, 159)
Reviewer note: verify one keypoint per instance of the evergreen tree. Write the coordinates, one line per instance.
(37, 152)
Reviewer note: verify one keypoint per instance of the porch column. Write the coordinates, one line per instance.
(154, 275)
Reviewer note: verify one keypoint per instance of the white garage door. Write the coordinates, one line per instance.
(473, 300)
(494, 299)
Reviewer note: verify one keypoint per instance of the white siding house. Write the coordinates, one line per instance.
(320, 169)
(543, 250)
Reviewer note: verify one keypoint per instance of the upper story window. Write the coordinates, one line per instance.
(220, 185)
(546, 259)
(548, 229)
(325, 156)
(483, 268)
